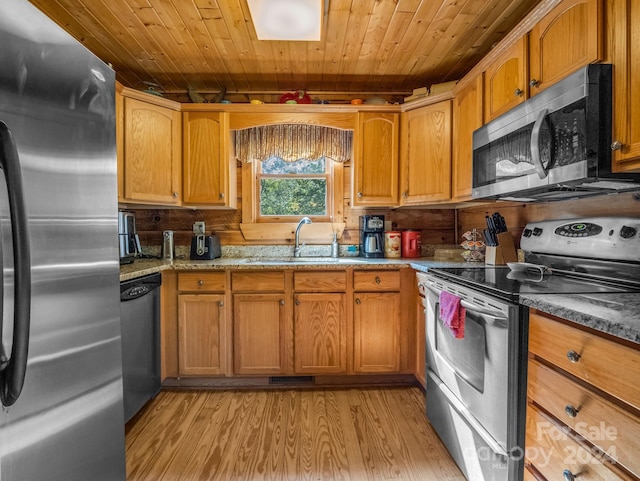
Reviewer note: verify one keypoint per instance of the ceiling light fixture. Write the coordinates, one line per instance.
(290, 20)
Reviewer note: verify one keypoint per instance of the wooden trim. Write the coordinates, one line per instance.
(316, 233)
(339, 120)
(149, 98)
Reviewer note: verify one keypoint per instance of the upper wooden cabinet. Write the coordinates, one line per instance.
(567, 38)
(467, 117)
(375, 162)
(150, 167)
(505, 80)
(623, 29)
(425, 158)
(209, 174)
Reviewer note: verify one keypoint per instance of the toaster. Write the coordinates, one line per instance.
(205, 247)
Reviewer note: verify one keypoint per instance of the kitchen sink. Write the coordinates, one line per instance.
(302, 260)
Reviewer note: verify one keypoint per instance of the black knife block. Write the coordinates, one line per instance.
(504, 252)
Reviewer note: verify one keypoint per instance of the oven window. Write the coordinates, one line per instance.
(466, 356)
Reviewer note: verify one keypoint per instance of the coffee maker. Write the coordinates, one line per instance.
(372, 236)
(128, 237)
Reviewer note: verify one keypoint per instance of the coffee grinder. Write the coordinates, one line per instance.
(204, 247)
(372, 236)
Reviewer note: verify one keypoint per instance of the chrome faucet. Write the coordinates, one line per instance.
(298, 247)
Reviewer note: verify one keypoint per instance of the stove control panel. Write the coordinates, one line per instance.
(613, 238)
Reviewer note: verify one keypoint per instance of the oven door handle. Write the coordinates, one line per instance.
(481, 310)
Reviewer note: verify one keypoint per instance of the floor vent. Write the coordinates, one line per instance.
(291, 380)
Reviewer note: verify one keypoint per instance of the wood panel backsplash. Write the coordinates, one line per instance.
(437, 225)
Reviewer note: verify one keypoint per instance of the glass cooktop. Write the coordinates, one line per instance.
(503, 282)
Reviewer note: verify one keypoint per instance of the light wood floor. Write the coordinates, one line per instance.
(337, 434)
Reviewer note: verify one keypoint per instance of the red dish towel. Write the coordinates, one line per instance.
(452, 314)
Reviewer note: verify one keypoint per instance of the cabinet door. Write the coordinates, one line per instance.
(467, 117)
(375, 163)
(259, 333)
(425, 171)
(567, 38)
(206, 165)
(202, 340)
(320, 333)
(152, 165)
(376, 326)
(624, 31)
(504, 81)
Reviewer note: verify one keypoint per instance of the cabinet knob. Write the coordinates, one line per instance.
(221, 196)
(358, 301)
(573, 356)
(405, 194)
(221, 304)
(200, 282)
(175, 194)
(377, 280)
(518, 92)
(571, 411)
(534, 82)
(282, 302)
(359, 195)
(297, 302)
(616, 145)
(568, 475)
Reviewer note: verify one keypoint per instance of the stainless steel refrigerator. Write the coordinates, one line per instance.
(61, 368)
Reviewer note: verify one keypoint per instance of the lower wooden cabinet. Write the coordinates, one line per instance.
(582, 413)
(259, 325)
(376, 326)
(202, 337)
(320, 329)
(290, 322)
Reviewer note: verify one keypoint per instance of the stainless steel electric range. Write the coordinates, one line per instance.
(476, 385)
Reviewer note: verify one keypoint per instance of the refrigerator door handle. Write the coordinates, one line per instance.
(13, 373)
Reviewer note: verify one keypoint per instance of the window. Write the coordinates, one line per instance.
(293, 189)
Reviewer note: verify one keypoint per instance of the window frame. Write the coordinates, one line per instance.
(327, 176)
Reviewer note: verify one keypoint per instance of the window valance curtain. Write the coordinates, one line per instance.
(292, 142)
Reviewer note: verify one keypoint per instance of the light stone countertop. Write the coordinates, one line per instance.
(615, 314)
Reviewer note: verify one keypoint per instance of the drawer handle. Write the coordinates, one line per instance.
(377, 280)
(571, 411)
(573, 356)
(358, 301)
(200, 282)
(568, 475)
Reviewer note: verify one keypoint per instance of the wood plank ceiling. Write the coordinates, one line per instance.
(373, 46)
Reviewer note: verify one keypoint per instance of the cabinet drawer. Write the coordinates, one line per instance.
(607, 426)
(609, 366)
(376, 281)
(202, 281)
(257, 281)
(551, 451)
(320, 281)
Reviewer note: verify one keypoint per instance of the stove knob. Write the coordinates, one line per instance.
(527, 233)
(627, 232)
(537, 231)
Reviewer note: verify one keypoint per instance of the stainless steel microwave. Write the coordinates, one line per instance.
(553, 146)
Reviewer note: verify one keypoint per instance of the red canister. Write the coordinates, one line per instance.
(411, 243)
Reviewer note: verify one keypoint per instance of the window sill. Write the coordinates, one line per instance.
(316, 233)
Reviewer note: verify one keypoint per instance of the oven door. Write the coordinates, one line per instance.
(482, 370)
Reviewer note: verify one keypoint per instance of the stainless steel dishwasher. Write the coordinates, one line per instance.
(140, 319)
